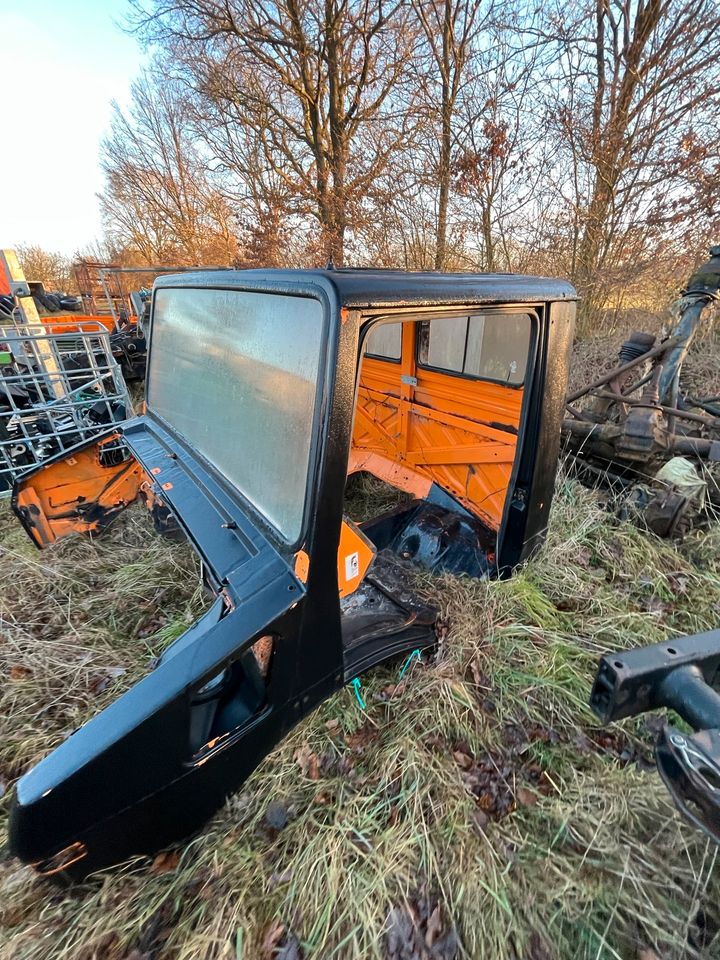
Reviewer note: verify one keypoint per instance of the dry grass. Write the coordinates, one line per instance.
(479, 783)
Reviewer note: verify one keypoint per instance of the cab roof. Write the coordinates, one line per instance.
(359, 288)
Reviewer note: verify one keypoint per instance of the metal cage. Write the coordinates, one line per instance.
(57, 390)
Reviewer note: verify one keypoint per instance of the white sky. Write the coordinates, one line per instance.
(63, 61)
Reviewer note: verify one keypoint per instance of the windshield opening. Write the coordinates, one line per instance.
(235, 374)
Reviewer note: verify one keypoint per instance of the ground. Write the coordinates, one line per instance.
(473, 808)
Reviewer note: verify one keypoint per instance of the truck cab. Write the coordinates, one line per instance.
(265, 390)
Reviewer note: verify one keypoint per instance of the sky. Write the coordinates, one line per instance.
(63, 61)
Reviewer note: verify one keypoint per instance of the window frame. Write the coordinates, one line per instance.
(530, 312)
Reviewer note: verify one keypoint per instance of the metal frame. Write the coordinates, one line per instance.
(72, 386)
(107, 273)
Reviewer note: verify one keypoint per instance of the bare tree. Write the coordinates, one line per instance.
(308, 87)
(158, 197)
(502, 164)
(52, 268)
(632, 76)
(449, 28)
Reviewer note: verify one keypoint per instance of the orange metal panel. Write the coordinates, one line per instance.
(77, 494)
(78, 322)
(75, 323)
(455, 431)
(355, 554)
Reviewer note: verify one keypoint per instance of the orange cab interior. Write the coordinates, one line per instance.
(441, 400)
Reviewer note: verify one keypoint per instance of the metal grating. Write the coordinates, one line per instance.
(57, 390)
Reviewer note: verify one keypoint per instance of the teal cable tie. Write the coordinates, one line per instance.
(415, 655)
(356, 685)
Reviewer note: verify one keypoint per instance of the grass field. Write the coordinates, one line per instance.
(473, 809)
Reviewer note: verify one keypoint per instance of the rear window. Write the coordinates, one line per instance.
(486, 346)
(385, 341)
(236, 374)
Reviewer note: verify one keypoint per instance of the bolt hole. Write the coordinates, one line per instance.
(291, 587)
(619, 664)
(672, 651)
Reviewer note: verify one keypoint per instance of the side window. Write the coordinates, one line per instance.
(488, 346)
(385, 341)
(446, 343)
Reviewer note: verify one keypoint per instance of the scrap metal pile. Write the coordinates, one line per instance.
(638, 430)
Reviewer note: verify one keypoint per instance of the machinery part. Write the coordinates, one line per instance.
(670, 502)
(636, 346)
(702, 289)
(664, 512)
(436, 537)
(622, 370)
(690, 768)
(129, 348)
(643, 433)
(619, 428)
(680, 675)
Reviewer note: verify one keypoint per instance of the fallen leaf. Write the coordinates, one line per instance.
(480, 820)
(18, 672)
(102, 682)
(308, 762)
(361, 738)
(434, 926)
(582, 557)
(152, 626)
(273, 936)
(479, 677)
(165, 862)
(525, 797)
(653, 605)
(462, 759)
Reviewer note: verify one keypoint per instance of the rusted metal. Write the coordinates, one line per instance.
(638, 434)
(679, 674)
(624, 368)
(671, 411)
